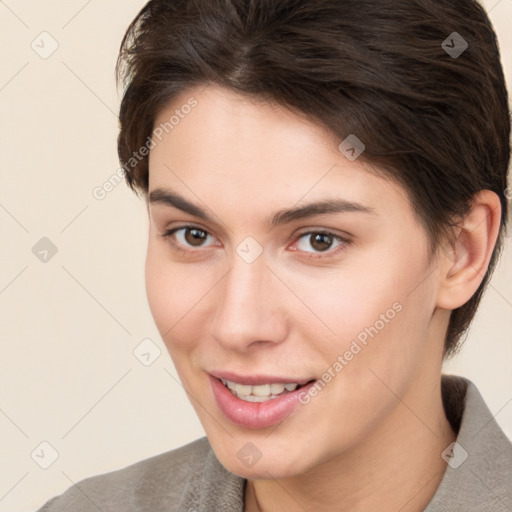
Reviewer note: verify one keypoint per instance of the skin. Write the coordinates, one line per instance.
(372, 438)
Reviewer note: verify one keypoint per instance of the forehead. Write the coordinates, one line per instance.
(253, 152)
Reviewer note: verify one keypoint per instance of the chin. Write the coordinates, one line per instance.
(261, 471)
(239, 462)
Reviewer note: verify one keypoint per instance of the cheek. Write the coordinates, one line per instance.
(378, 312)
(358, 296)
(174, 297)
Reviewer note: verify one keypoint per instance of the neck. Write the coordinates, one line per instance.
(398, 466)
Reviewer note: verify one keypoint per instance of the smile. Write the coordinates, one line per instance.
(260, 393)
(257, 404)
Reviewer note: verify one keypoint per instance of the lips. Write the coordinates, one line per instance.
(255, 380)
(260, 410)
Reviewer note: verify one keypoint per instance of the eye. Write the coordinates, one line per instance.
(321, 242)
(187, 236)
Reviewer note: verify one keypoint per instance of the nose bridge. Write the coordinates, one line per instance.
(247, 309)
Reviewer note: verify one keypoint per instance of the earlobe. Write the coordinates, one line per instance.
(465, 259)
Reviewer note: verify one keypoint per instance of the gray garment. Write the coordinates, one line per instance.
(191, 479)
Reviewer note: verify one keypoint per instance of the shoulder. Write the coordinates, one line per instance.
(152, 483)
(479, 464)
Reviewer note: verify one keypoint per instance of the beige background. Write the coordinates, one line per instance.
(68, 329)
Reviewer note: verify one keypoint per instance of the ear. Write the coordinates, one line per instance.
(466, 257)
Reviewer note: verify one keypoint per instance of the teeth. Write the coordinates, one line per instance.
(242, 389)
(252, 398)
(260, 393)
(263, 390)
(275, 389)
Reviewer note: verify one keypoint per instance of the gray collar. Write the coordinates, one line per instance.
(479, 474)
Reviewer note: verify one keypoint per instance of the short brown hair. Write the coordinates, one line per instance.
(435, 121)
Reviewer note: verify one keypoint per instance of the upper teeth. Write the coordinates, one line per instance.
(259, 393)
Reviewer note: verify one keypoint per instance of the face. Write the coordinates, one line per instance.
(253, 288)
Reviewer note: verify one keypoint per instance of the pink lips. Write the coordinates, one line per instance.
(255, 414)
(255, 380)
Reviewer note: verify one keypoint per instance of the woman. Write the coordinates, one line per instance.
(326, 185)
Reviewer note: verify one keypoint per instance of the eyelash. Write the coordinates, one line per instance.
(344, 242)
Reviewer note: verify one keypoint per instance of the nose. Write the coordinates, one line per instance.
(250, 307)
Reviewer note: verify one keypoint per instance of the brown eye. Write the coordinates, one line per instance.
(314, 243)
(195, 237)
(321, 241)
(188, 237)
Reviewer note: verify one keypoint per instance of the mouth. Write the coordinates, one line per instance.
(261, 392)
(258, 401)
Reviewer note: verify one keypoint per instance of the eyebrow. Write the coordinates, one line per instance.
(169, 198)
